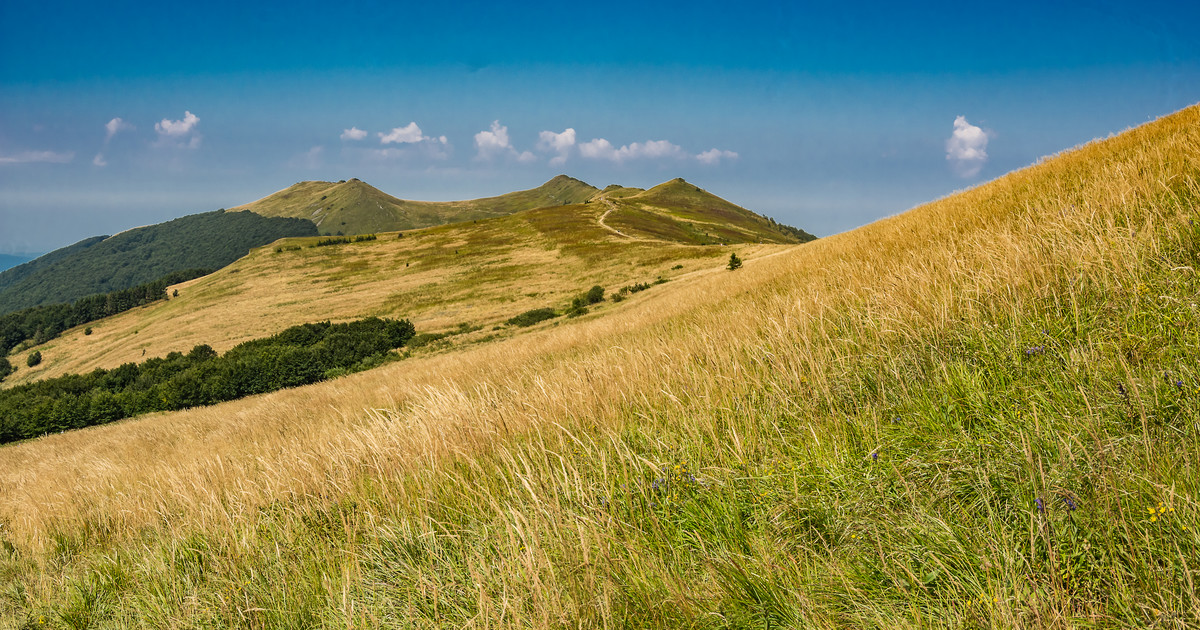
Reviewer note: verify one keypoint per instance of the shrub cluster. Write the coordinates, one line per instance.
(529, 318)
(342, 240)
(579, 304)
(634, 288)
(43, 323)
(421, 340)
(297, 356)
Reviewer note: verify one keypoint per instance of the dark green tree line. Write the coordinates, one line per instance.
(297, 356)
(43, 323)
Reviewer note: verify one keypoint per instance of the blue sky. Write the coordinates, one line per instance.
(119, 114)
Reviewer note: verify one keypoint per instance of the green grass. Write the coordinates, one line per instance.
(355, 207)
(917, 505)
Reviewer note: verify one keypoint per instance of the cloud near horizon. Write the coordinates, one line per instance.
(354, 133)
(714, 156)
(966, 149)
(31, 157)
(408, 134)
(179, 133)
(601, 149)
(495, 143)
(559, 143)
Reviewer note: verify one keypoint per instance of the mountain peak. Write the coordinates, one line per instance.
(352, 206)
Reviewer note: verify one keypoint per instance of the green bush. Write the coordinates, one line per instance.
(34, 358)
(734, 261)
(531, 317)
(6, 368)
(595, 295)
(639, 286)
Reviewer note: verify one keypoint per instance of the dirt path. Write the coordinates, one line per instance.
(612, 206)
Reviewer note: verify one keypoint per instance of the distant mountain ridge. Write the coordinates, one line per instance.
(107, 263)
(8, 261)
(471, 274)
(675, 211)
(355, 207)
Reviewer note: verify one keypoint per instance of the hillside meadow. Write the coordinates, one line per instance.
(979, 413)
(469, 275)
(355, 207)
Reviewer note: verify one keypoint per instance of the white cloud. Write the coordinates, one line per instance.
(494, 143)
(114, 126)
(177, 128)
(966, 149)
(714, 156)
(48, 157)
(99, 160)
(559, 143)
(653, 149)
(179, 133)
(354, 133)
(601, 149)
(407, 134)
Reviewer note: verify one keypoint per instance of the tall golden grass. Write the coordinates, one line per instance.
(688, 355)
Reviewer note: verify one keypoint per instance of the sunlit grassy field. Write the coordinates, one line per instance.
(980, 413)
(474, 274)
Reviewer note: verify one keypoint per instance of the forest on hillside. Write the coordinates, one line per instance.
(209, 240)
(296, 356)
(40, 324)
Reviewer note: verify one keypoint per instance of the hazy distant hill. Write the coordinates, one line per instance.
(8, 261)
(12, 276)
(355, 207)
(106, 263)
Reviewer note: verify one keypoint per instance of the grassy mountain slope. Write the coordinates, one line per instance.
(978, 413)
(477, 273)
(692, 215)
(355, 207)
(133, 257)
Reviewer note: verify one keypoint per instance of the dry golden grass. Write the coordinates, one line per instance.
(476, 273)
(711, 355)
(922, 269)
